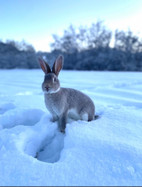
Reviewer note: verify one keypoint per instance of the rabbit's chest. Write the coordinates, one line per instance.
(52, 105)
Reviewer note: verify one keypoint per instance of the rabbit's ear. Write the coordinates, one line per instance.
(44, 66)
(58, 64)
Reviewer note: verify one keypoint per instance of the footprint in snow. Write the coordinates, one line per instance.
(51, 149)
(16, 116)
(44, 141)
(6, 107)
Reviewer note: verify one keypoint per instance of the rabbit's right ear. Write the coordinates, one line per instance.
(44, 66)
(58, 64)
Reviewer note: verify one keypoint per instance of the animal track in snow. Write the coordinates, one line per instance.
(40, 138)
(15, 117)
(46, 143)
(6, 107)
(51, 148)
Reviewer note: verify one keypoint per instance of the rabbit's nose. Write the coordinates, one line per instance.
(47, 88)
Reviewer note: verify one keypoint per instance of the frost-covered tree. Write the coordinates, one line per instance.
(67, 43)
(127, 41)
(98, 36)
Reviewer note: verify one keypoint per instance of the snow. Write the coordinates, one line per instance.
(107, 151)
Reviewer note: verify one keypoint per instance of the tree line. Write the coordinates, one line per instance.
(84, 48)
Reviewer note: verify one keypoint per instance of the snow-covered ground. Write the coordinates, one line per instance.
(107, 151)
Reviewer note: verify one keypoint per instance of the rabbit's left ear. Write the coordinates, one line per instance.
(58, 64)
(44, 66)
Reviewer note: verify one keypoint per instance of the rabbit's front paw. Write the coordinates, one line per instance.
(62, 131)
(54, 118)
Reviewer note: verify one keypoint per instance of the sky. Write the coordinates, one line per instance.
(35, 21)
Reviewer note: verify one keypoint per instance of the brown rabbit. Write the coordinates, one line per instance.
(64, 102)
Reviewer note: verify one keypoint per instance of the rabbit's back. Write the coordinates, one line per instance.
(75, 98)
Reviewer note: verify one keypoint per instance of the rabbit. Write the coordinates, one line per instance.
(64, 102)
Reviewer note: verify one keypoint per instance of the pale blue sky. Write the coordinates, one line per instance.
(36, 20)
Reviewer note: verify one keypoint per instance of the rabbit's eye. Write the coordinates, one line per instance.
(54, 79)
